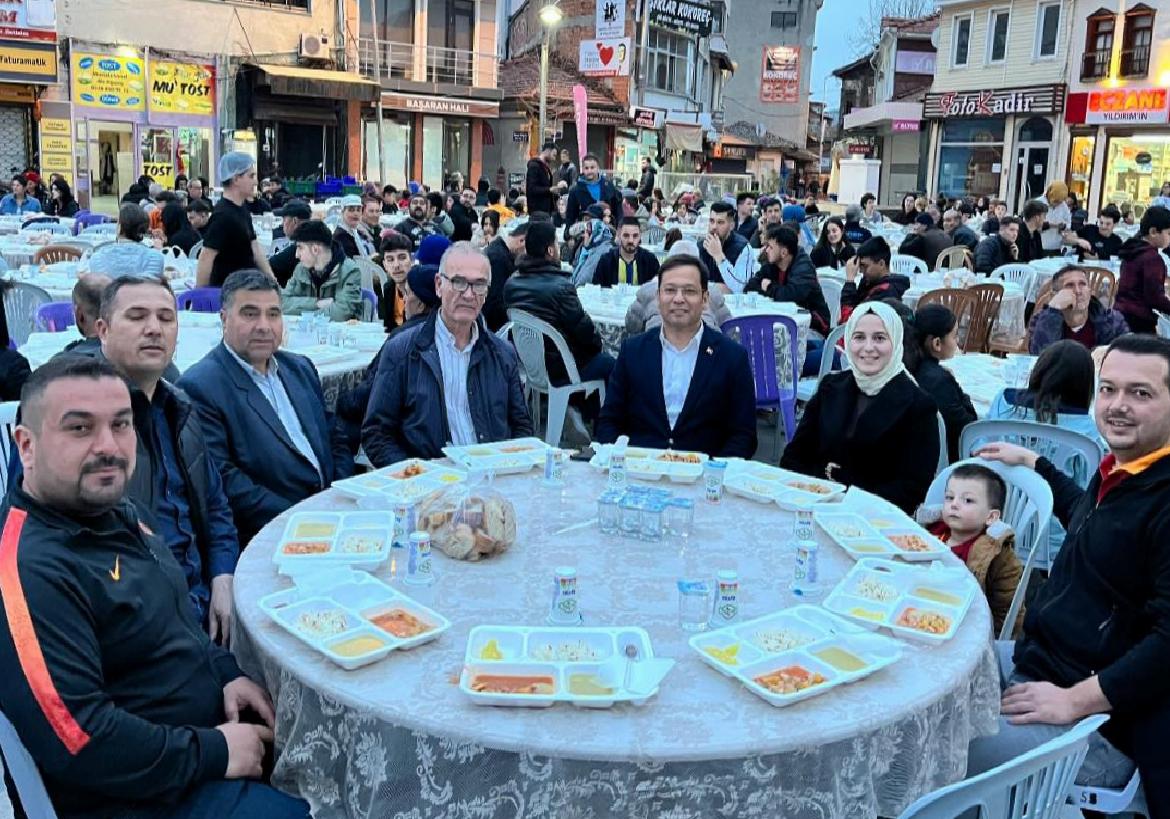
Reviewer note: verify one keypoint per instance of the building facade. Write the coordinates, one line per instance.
(996, 107)
(28, 56)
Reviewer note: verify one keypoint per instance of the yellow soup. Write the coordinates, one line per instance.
(315, 529)
(866, 613)
(840, 659)
(868, 548)
(587, 685)
(357, 646)
(937, 596)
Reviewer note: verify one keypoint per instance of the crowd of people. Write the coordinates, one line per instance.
(133, 488)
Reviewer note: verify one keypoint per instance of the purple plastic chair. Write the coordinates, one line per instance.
(771, 342)
(199, 300)
(369, 298)
(54, 317)
(85, 218)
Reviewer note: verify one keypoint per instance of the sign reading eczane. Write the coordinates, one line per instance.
(1128, 106)
(681, 15)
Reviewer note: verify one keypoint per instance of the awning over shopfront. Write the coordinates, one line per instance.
(289, 80)
(684, 138)
(720, 55)
(883, 113)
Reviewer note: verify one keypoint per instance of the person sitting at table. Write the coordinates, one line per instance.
(856, 234)
(927, 241)
(643, 315)
(1074, 313)
(1097, 242)
(284, 261)
(178, 230)
(1059, 392)
(1094, 639)
(954, 222)
(789, 275)
(870, 426)
(596, 242)
(87, 304)
(61, 201)
(936, 339)
(746, 221)
(1031, 240)
(872, 260)
(350, 234)
(1000, 247)
(447, 380)
(19, 202)
(906, 215)
(771, 215)
(502, 253)
(870, 215)
(262, 410)
(199, 214)
(396, 260)
(126, 255)
(831, 249)
(324, 278)
(723, 250)
(684, 386)
(1141, 288)
(628, 262)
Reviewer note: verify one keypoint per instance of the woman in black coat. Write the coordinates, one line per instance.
(870, 426)
(831, 250)
(936, 340)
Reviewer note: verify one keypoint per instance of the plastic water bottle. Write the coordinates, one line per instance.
(400, 543)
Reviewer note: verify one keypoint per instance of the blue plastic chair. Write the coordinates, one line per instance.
(773, 354)
(30, 788)
(54, 317)
(1033, 785)
(200, 300)
(370, 305)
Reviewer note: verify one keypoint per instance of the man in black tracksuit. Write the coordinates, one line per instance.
(1097, 635)
(125, 705)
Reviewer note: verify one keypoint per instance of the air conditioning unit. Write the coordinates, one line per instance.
(314, 46)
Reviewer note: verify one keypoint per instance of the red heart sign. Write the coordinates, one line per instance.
(606, 54)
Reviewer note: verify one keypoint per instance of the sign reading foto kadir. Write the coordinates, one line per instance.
(780, 77)
(681, 15)
(605, 58)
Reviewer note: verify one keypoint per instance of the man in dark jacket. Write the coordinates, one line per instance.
(1141, 288)
(856, 234)
(954, 223)
(1095, 636)
(746, 221)
(262, 410)
(502, 253)
(567, 172)
(591, 187)
(1074, 313)
(722, 246)
(627, 262)
(771, 215)
(1032, 219)
(124, 704)
(176, 481)
(877, 282)
(1000, 247)
(448, 380)
(417, 226)
(927, 242)
(463, 216)
(789, 275)
(540, 189)
(294, 213)
(646, 181)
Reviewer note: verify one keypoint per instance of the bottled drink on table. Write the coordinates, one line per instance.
(400, 543)
(806, 573)
(564, 609)
(726, 610)
(617, 468)
(419, 570)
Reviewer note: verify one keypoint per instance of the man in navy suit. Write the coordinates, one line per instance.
(685, 386)
(262, 410)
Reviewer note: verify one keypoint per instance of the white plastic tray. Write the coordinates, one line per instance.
(334, 530)
(892, 588)
(770, 484)
(858, 535)
(558, 654)
(804, 636)
(353, 599)
(502, 457)
(648, 464)
(404, 482)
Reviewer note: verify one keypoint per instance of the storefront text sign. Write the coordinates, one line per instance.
(519, 136)
(780, 75)
(733, 151)
(1128, 106)
(112, 83)
(605, 58)
(1039, 99)
(903, 125)
(28, 20)
(611, 19)
(681, 15)
(28, 62)
(441, 105)
(161, 172)
(181, 88)
(56, 148)
(647, 117)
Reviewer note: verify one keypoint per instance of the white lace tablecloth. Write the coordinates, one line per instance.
(981, 376)
(398, 739)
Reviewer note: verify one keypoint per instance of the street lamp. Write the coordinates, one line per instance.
(550, 18)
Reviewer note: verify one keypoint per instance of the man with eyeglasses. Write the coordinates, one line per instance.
(448, 380)
(684, 386)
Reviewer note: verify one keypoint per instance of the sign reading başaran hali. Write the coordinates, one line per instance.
(1035, 99)
(441, 105)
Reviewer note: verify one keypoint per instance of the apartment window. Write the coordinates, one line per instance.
(784, 19)
(997, 35)
(1047, 29)
(670, 62)
(1136, 41)
(961, 47)
(1098, 46)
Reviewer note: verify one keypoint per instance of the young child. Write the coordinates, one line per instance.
(969, 522)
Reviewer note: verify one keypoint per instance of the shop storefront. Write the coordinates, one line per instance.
(138, 112)
(28, 63)
(997, 142)
(1119, 150)
(895, 131)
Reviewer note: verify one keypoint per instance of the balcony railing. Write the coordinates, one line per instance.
(1095, 64)
(433, 64)
(1135, 62)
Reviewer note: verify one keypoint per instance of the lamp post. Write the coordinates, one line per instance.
(550, 17)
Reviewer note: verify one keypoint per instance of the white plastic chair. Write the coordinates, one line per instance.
(196, 249)
(1027, 509)
(907, 265)
(1021, 274)
(21, 301)
(1163, 324)
(529, 334)
(944, 456)
(30, 788)
(654, 235)
(806, 388)
(369, 270)
(104, 229)
(832, 289)
(55, 228)
(7, 424)
(1130, 799)
(1034, 785)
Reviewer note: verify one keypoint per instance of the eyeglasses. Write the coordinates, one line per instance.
(460, 285)
(688, 293)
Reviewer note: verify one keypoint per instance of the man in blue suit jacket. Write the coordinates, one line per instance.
(263, 411)
(686, 386)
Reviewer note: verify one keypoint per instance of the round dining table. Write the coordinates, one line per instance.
(398, 738)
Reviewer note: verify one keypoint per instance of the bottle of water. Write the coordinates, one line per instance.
(694, 591)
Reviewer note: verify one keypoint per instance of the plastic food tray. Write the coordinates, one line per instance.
(893, 588)
(857, 535)
(652, 464)
(334, 535)
(770, 484)
(398, 483)
(503, 457)
(557, 653)
(805, 636)
(351, 599)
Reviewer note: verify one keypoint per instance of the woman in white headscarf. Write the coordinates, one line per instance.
(870, 426)
(598, 242)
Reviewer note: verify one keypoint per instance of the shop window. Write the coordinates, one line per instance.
(1136, 41)
(670, 62)
(970, 156)
(1098, 45)
(784, 19)
(1135, 168)
(1036, 129)
(1080, 165)
(961, 45)
(976, 129)
(997, 35)
(1047, 30)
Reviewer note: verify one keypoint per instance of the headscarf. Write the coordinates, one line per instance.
(600, 241)
(873, 384)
